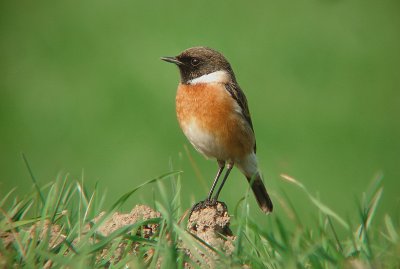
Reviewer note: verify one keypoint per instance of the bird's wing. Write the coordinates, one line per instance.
(237, 94)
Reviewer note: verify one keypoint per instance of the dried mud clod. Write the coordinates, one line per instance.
(210, 218)
(210, 223)
(44, 230)
(119, 220)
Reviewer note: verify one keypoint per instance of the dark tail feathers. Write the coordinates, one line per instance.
(261, 194)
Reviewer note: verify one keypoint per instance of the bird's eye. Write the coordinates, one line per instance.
(194, 61)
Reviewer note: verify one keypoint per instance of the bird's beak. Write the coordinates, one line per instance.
(173, 60)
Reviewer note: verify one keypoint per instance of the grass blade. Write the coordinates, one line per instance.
(393, 235)
(322, 207)
(125, 197)
(33, 178)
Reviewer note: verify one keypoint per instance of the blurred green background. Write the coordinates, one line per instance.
(82, 90)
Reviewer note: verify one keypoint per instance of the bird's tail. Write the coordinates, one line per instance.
(260, 192)
(248, 166)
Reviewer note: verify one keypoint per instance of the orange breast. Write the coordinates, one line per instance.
(217, 117)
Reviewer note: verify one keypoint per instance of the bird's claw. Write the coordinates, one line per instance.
(204, 204)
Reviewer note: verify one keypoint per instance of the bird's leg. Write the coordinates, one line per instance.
(209, 201)
(229, 167)
(221, 165)
(214, 201)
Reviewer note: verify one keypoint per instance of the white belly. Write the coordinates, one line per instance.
(203, 141)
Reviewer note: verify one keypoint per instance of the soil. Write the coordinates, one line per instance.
(209, 223)
(119, 220)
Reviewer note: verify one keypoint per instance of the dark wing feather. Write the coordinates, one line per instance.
(237, 94)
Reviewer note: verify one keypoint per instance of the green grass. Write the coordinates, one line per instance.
(82, 86)
(332, 241)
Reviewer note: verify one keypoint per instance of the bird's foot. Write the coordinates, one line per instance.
(206, 203)
(203, 204)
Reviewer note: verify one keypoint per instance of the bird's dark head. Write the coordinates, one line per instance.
(202, 65)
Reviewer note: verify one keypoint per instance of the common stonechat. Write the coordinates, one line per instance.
(213, 113)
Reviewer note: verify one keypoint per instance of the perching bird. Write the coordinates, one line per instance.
(213, 113)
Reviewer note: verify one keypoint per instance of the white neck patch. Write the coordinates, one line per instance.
(220, 76)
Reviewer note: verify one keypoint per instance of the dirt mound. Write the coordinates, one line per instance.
(209, 224)
(119, 220)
